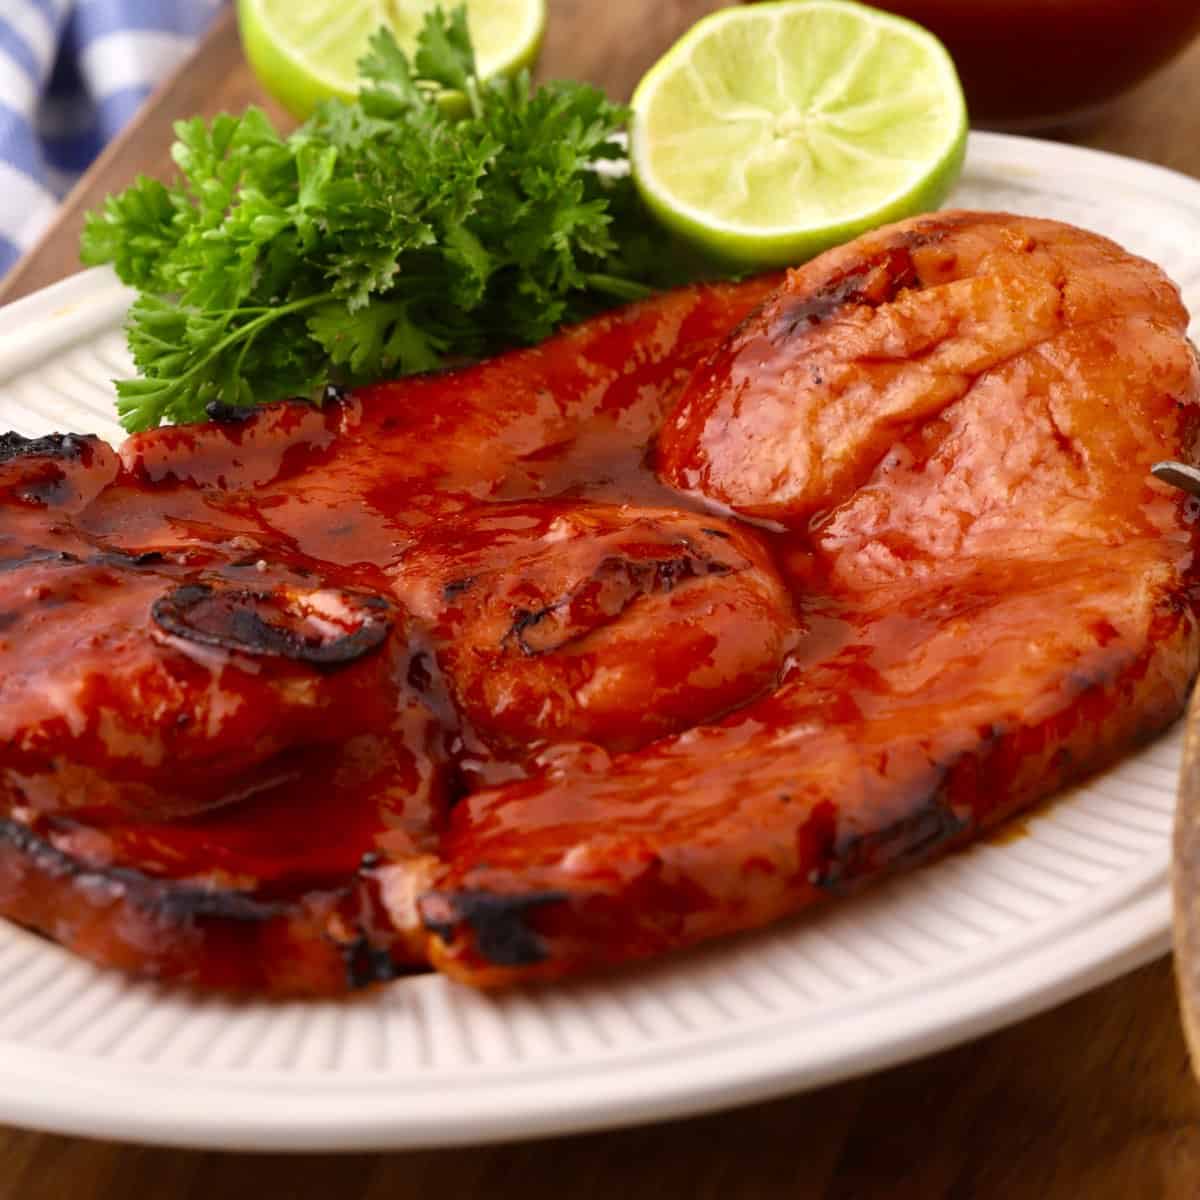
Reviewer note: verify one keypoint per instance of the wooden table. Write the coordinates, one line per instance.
(1091, 1101)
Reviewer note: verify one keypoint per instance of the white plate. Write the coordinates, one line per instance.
(941, 955)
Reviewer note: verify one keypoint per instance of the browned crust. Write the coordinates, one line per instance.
(184, 933)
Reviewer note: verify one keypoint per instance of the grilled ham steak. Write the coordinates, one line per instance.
(696, 614)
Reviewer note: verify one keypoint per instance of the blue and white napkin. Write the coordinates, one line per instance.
(72, 72)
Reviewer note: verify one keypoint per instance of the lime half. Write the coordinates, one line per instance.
(305, 50)
(769, 133)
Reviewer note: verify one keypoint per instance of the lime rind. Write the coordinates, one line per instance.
(769, 134)
(302, 54)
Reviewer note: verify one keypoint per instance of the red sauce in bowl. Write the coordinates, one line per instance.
(1029, 63)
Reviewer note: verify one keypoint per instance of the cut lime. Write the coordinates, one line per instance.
(769, 133)
(305, 50)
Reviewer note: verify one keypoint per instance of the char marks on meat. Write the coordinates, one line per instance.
(701, 612)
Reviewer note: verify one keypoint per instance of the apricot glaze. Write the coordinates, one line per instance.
(696, 614)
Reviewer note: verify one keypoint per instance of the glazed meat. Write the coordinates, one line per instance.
(695, 615)
(210, 787)
(553, 621)
(879, 338)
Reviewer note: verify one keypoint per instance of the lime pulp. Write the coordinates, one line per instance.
(771, 132)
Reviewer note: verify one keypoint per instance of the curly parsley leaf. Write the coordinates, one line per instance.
(383, 236)
(445, 55)
(135, 231)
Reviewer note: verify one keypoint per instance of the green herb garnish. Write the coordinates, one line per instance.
(383, 237)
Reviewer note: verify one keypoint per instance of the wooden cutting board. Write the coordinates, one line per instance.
(1093, 1101)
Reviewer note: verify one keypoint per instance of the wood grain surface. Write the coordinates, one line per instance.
(1093, 1101)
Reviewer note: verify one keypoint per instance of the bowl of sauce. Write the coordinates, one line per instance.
(1028, 64)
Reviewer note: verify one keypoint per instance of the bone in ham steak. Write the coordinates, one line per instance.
(695, 614)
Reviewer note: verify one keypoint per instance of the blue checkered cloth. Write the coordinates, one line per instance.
(72, 72)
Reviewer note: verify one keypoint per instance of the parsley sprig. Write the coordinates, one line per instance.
(382, 237)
